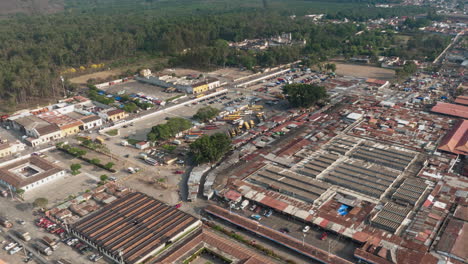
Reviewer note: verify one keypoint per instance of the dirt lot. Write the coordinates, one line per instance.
(230, 73)
(364, 71)
(97, 75)
(180, 71)
(138, 87)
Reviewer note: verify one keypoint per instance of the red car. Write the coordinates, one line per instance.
(323, 236)
(179, 172)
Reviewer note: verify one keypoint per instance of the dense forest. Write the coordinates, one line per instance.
(35, 49)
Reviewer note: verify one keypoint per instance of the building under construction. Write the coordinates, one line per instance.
(134, 228)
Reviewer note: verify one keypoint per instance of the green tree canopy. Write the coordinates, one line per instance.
(172, 127)
(210, 148)
(109, 165)
(103, 178)
(206, 113)
(304, 95)
(40, 202)
(75, 168)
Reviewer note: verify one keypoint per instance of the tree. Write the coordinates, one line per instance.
(109, 165)
(165, 131)
(407, 70)
(103, 178)
(210, 148)
(40, 202)
(205, 114)
(75, 168)
(130, 107)
(95, 161)
(304, 95)
(20, 192)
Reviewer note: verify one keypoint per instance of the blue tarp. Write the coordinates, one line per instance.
(443, 97)
(343, 210)
(118, 98)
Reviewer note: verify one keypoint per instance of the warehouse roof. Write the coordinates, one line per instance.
(456, 140)
(208, 239)
(451, 109)
(463, 100)
(135, 225)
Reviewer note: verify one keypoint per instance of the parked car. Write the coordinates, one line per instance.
(306, 228)
(268, 213)
(253, 207)
(256, 217)
(324, 236)
(284, 230)
(179, 172)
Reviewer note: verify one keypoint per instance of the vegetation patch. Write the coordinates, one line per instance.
(304, 95)
(113, 132)
(210, 148)
(206, 113)
(172, 127)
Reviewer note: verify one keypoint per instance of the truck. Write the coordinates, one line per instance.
(15, 250)
(244, 204)
(46, 250)
(151, 162)
(5, 223)
(10, 246)
(99, 140)
(50, 242)
(24, 235)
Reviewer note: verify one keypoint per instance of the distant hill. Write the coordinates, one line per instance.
(9, 7)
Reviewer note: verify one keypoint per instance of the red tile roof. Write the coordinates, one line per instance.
(456, 140)
(233, 195)
(376, 81)
(462, 100)
(451, 109)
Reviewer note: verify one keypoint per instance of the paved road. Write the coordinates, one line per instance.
(37, 256)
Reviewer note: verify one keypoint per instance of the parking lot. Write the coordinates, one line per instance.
(24, 211)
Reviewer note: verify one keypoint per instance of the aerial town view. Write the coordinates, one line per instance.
(233, 131)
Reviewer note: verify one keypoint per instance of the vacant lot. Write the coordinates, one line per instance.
(133, 87)
(364, 71)
(97, 75)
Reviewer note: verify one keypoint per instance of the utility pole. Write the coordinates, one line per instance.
(11, 192)
(63, 86)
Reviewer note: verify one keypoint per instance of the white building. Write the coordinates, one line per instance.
(90, 122)
(29, 173)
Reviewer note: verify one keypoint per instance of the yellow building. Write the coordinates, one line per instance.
(200, 88)
(115, 115)
(5, 150)
(70, 129)
(203, 86)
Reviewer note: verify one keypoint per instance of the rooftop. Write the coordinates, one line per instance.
(456, 140)
(451, 109)
(135, 225)
(27, 171)
(454, 240)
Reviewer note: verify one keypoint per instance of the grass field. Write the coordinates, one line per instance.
(364, 71)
